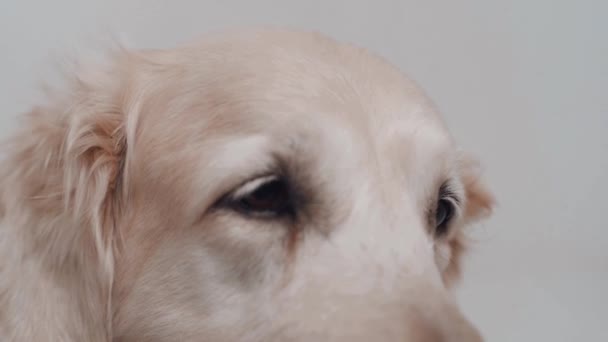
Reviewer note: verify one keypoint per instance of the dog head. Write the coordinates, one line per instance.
(258, 186)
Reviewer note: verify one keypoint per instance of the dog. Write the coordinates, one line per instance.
(253, 185)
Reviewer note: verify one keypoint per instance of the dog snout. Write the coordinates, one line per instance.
(442, 328)
(439, 320)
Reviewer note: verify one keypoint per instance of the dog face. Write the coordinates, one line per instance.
(267, 186)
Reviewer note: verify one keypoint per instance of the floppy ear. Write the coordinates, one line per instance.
(479, 203)
(66, 163)
(61, 195)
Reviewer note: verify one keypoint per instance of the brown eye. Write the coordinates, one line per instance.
(264, 197)
(445, 210)
(443, 214)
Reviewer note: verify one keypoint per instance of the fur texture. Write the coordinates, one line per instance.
(112, 225)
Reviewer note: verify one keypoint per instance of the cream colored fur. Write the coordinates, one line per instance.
(110, 228)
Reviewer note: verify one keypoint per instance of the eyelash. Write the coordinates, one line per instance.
(446, 191)
(445, 210)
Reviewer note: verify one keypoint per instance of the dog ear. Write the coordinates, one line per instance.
(479, 203)
(66, 163)
(62, 188)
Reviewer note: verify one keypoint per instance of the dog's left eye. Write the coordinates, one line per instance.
(264, 197)
(445, 210)
(443, 214)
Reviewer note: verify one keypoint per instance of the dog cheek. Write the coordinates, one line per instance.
(443, 254)
(448, 256)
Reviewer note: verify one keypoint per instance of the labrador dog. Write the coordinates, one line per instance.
(255, 185)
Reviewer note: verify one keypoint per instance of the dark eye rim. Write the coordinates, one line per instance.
(234, 200)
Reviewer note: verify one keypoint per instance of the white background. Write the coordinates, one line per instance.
(522, 83)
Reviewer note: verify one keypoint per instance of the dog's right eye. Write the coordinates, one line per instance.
(264, 197)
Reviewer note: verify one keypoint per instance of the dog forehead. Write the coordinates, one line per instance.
(304, 87)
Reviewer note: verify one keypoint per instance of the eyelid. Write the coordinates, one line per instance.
(250, 186)
(448, 192)
(233, 200)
